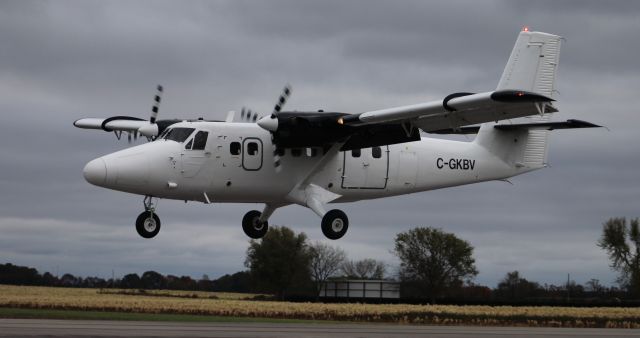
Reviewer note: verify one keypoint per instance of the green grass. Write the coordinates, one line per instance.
(99, 315)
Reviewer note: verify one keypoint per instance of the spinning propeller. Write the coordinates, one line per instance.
(151, 130)
(247, 115)
(270, 123)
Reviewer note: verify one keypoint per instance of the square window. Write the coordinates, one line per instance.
(234, 148)
(376, 152)
(355, 153)
(252, 149)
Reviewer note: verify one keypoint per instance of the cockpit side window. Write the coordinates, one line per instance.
(178, 134)
(200, 140)
(163, 134)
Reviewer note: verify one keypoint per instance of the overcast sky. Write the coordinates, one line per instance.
(64, 60)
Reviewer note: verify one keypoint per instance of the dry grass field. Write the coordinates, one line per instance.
(241, 305)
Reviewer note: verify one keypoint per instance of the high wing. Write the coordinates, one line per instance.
(526, 88)
(400, 124)
(461, 109)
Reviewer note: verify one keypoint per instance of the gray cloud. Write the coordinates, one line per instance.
(70, 59)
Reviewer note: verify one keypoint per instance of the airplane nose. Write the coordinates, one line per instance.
(95, 172)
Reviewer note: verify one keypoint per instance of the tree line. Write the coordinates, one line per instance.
(435, 266)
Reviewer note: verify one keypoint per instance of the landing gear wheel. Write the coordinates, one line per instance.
(148, 224)
(335, 224)
(252, 226)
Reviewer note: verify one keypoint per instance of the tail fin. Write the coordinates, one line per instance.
(532, 64)
(532, 67)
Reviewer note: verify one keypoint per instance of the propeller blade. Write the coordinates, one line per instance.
(286, 93)
(276, 160)
(156, 105)
(270, 122)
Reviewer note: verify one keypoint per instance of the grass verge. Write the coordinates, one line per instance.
(21, 313)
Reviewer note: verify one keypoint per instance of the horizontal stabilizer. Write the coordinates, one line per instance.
(460, 131)
(569, 124)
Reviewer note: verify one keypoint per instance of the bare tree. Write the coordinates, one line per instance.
(594, 286)
(622, 244)
(326, 260)
(364, 269)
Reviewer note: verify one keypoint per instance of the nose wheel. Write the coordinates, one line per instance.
(148, 222)
(253, 226)
(335, 224)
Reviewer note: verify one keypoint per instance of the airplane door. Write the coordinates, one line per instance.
(407, 169)
(252, 154)
(195, 154)
(366, 168)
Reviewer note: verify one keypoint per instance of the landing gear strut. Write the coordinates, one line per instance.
(253, 226)
(148, 222)
(335, 224)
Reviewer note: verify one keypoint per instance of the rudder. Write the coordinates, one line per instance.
(532, 67)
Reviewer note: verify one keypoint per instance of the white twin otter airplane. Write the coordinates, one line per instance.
(316, 158)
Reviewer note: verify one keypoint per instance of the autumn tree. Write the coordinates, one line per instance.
(434, 259)
(621, 241)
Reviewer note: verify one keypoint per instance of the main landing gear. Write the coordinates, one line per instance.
(253, 226)
(334, 223)
(148, 222)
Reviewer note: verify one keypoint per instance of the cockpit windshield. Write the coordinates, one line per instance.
(176, 134)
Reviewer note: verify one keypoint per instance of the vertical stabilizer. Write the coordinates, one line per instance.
(533, 63)
(531, 67)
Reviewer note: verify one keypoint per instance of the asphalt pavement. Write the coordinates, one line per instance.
(90, 328)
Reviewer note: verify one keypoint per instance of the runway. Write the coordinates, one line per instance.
(82, 328)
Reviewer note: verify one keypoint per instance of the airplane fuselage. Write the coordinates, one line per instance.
(236, 165)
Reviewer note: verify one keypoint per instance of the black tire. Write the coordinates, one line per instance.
(148, 225)
(335, 224)
(252, 226)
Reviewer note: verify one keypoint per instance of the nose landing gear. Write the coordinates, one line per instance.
(148, 222)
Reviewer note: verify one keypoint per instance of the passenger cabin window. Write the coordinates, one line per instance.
(178, 134)
(234, 148)
(312, 152)
(200, 140)
(376, 152)
(355, 153)
(296, 152)
(252, 148)
(280, 152)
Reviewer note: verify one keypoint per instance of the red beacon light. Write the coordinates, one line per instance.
(525, 28)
